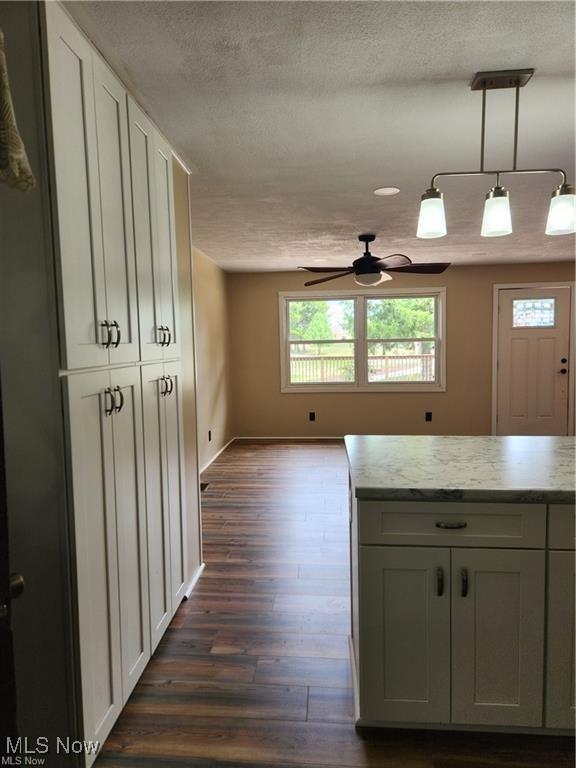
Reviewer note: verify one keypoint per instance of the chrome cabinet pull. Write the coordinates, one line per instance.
(449, 526)
(116, 342)
(464, 582)
(105, 324)
(439, 581)
(109, 408)
(118, 407)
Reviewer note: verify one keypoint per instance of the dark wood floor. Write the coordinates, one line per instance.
(254, 670)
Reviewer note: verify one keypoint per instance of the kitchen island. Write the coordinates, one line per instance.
(462, 568)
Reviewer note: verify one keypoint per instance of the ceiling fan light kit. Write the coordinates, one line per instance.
(497, 219)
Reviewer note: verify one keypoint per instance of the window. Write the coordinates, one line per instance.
(385, 341)
(533, 313)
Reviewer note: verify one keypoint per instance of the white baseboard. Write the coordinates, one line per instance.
(205, 467)
(193, 581)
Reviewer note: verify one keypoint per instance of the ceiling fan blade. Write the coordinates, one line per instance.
(423, 269)
(332, 277)
(326, 269)
(394, 260)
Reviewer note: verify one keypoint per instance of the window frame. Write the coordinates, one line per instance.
(360, 342)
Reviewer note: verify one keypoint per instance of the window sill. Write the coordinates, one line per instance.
(376, 388)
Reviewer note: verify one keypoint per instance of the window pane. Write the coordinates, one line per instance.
(322, 363)
(533, 313)
(405, 317)
(321, 319)
(405, 361)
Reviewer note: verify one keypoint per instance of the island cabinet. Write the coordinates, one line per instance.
(451, 630)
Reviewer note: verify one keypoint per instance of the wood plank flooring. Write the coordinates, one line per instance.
(254, 670)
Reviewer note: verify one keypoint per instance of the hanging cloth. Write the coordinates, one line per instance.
(14, 166)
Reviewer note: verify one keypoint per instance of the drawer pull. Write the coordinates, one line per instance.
(451, 526)
(439, 581)
(464, 582)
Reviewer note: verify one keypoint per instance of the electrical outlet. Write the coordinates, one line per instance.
(209, 435)
(312, 416)
(428, 416)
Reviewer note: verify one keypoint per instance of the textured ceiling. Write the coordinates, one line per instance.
(291, 113)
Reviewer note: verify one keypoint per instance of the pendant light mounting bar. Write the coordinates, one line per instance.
(504, 78)
(497, 173)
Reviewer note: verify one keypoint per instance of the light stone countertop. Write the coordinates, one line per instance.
(455, 468)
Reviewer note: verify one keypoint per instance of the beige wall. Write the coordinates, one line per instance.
(184, 256)
(259, 409)
(212, 357)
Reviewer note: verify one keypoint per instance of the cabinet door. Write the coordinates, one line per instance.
(92, 457)
(560, 712)
(175, 483)
(131, 524)
(157, 508)
(167, 245)
(405, 634)
(144, 202)
(79, 232)
(116, 213)
(497, 637)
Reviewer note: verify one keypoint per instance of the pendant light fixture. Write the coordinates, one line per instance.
(497, 219)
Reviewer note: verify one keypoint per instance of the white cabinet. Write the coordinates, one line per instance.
(75, 163)
(105, 414)
(116, 214)
(161, 386)
(151, 168)
(560, 711)
(92, 183)
(497, 636)
(405, 636)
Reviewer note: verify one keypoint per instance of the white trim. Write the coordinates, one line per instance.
(193, 581)
(360, 384)
(497, 287)
(291, 437)
(205, 467)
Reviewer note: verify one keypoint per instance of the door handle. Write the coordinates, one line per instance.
(564, 370)
(118, 408)
(108, 409)
(439, 581)
(106, 343)
(464, 582)
(451, 526)
(116, 342)
(163, 384)
(162, 333)
(169, 336)
(170, 385)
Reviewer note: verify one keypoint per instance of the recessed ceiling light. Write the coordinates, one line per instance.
(386, 191)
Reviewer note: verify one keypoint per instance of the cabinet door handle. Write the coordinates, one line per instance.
(116, 342)
(168, 335)
(118, 408)
(163, 386)
(161, 334)
(109, 407)
(439, 581)
(451, 526)
(464, 582)
(170, 385)
(108, 340)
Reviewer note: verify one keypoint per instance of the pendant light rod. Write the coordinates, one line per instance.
(516, 118)
(508, 171)
(483, 130)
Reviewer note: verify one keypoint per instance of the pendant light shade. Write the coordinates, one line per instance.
(562, 211)
(496, 221)
(432, 219)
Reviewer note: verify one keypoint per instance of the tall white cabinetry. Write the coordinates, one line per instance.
(121, 373)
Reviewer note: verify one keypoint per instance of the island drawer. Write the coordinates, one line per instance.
(561, 528)
(457, 524)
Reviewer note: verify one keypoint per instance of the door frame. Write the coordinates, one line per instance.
(571, 376)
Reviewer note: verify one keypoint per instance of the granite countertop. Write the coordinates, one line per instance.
(454, 468)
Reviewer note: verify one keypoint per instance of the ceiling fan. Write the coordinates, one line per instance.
(370, 270)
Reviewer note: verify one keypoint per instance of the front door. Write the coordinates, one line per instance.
(533, 361)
